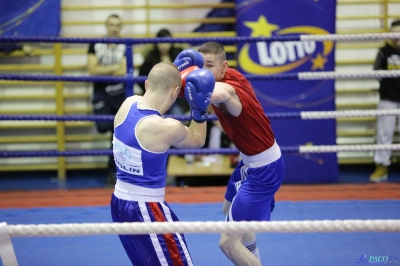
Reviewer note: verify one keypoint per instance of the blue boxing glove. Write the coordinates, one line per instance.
(198, 91)
(188, 58)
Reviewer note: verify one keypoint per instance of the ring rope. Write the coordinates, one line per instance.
(173, 151)
(347, 113)
(306, 115)
(241, 39)
(104, 79)
(352, 148)
(389, 225)
(376, 74)
(351, 37)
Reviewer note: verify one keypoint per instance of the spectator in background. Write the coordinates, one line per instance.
(108, 60)
(388, 58)
(163, 52)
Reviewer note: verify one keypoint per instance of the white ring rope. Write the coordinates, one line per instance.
(351, 37)
(347, 113)
(377, 74)
(352, 148)
(205, 227)
(342, 148)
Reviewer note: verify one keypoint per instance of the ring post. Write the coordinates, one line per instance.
(129, 69)
(60, 128)
(385, 15)
(7, 254)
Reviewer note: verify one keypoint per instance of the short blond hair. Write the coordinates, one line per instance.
(165, 76)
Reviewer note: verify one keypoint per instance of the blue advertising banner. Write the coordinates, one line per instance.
(286, 17)
(30, 17)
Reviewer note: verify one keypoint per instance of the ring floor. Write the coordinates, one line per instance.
(353, 198)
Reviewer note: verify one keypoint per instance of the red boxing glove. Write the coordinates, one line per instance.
(184, 74)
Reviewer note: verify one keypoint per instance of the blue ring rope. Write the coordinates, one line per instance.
(131, 41)
(129, 78)
(50, 153)
(111, 117)
(107, 79)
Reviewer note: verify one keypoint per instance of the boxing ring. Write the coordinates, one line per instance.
(200, 227)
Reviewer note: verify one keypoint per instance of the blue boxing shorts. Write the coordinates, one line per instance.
(251, 191)
(150, 249)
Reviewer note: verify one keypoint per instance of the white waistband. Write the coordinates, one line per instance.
(264, 158)
(126, 191)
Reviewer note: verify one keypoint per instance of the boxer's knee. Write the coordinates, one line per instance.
(228, 243)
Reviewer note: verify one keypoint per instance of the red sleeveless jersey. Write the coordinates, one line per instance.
(251, 131)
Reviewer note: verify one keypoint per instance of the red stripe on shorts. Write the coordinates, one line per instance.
(168, 238)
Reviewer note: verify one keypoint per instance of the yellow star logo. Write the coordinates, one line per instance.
(318, 62)
(261, 28)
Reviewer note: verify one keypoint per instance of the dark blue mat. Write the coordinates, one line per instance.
(275, 248)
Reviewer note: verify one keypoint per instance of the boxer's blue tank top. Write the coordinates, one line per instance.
(135, 164)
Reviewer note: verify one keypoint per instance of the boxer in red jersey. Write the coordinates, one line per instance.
(259, 174)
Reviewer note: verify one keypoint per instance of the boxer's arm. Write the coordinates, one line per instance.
(198, 86)
(183, 137)
(225, 96)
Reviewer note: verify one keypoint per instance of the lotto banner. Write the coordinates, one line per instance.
(30, 17)
(287, 17)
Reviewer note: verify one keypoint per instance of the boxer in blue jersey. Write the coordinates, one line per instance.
(141, 141)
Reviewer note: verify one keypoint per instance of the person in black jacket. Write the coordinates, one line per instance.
(388, 58)
(108, 60)
(163, 52)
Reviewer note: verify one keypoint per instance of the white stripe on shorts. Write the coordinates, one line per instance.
(153, 237)
(243, 172)
(229, 216)
(169, 219)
